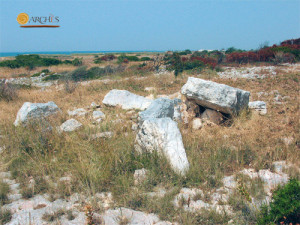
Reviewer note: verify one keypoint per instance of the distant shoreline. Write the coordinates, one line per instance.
(7, 54)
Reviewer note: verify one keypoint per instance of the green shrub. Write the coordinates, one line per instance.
(29, 61)
(51, 77)
(285, 207)
(145, 59)
(124, 57)
(45, 71)
(77, 62)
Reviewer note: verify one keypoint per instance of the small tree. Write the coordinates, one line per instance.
(158, 60)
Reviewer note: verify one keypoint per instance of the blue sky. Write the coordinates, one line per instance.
(149, 24)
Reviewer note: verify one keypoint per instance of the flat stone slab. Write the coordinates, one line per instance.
(216, 96)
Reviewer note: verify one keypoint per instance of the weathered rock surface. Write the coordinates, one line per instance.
(70, 125)
(126, 100)
(98, 115)
(216, 96)
(159, 108)
(35, 111)
(163, 135)
(114, 217)
(212, 115)
(77, 112)
(259, 106)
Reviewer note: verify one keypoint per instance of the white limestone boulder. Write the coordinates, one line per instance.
(163, 135)
(216, 96)
(35, 111)
(126, 100)
(159, 108)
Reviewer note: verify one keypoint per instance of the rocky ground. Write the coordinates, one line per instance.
(168, 122)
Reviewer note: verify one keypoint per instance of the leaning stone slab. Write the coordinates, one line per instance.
(159, 108)
(33, 111)
(163, 135)
(126, 100)
(216, 96)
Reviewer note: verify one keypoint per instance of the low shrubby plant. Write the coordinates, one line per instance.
(8, 92)
(5, 215)
(284, 207)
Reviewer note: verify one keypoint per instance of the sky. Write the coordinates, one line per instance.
(137, 25)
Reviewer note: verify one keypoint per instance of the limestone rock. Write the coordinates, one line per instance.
(70, 125)
(163, 135)
(259, 106)
(212, 116)
(35, 111)
(159, 108)
(216, 96)
(98, 115)
(77, 112)
(126, 100)
(197, 124)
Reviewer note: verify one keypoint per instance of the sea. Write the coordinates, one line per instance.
(6, 54)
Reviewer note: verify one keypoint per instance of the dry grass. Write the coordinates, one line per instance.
(101, 165)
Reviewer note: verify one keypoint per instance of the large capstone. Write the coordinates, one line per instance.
(163, 135)
(216, 96)
(35, 111)
(126, 100)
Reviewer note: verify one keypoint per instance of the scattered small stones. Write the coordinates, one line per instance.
(77, 112)
(140, 176)
(98, 115)
(259, 106)
(107, 134)
(70, 125)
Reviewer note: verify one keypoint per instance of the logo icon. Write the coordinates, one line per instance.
(23, 18)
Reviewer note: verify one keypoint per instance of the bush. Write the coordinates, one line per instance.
(8, 92)
(285, 207)
(77, 62)
(29, 61)
(145, 59)
(52, 77)
(125, 58)
(108, 57)
(77, 74)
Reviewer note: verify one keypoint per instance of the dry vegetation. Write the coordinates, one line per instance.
(108, 164)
